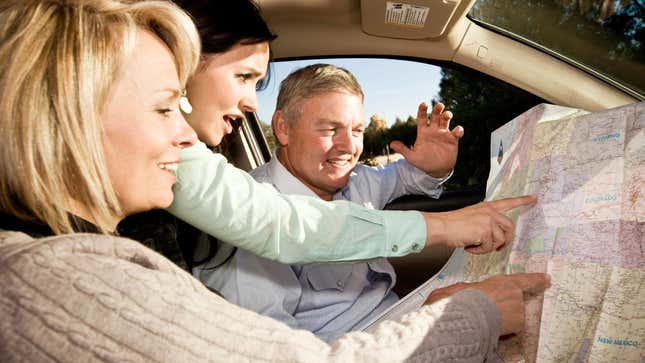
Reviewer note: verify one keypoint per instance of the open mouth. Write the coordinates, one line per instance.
(232, 122)
(228, 124)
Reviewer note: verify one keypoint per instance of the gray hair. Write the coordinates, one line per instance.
(311, 80)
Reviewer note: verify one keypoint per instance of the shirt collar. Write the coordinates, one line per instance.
(284, 181)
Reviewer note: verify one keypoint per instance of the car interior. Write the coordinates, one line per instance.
(549, 49)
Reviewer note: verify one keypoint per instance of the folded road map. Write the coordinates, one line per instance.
(587, 231)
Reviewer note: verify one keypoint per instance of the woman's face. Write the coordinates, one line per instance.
(144, 131)
(224, 88)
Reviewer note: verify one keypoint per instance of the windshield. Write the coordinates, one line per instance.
(603, 36)
(393, 89)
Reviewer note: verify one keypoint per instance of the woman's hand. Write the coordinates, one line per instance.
(506, 291)
(480, 228)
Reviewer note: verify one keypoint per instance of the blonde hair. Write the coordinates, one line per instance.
(59, 59)
(308, 81)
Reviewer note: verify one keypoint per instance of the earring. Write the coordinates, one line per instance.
(184, 104)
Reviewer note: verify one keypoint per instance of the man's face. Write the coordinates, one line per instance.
(322, 147)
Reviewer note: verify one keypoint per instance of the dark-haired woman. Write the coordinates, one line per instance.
(219, 199)
(88, 111)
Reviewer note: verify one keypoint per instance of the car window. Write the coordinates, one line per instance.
(394, 88)
(603, 37)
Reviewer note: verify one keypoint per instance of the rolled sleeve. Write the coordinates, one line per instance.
(380, 185)
(418, 182)
(405, 230)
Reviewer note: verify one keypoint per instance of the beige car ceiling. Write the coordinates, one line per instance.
(360, 27)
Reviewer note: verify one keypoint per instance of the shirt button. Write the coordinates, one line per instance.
(395, 248)
(339, 283)
(415, 246)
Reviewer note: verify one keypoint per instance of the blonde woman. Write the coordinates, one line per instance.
(89, 91)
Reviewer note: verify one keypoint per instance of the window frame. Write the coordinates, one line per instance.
(597, 74)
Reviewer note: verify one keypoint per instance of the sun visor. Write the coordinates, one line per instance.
(413, 19)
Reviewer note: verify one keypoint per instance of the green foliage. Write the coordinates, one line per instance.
(480, 104)
(606, 35)
(268, 134)
(374, 141)
(406, 132)
(377, 139)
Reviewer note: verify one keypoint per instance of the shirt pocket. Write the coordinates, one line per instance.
(328, 276)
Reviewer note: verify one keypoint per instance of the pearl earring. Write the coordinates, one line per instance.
(184, 104)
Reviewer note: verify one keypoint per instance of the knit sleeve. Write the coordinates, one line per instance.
(89, 297)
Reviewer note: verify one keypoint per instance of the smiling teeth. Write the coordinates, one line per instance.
(338, 162)
(168, 166)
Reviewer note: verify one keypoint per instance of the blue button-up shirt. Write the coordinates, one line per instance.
(327, 299)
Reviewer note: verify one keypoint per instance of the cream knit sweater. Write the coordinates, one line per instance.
(87, 297)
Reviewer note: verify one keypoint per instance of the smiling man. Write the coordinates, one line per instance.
(319, 126)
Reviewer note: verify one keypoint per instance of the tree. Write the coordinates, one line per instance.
(375, 138)
(606, 35)
(406, 132)
(377, 124)
(268, 134)
(480, 104)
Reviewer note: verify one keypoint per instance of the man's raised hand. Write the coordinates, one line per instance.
(436, 146)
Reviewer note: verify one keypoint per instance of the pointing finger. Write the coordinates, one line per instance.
(499, 237)
(506, 225)
(503, 205)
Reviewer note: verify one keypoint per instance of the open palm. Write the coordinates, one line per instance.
(436, 146)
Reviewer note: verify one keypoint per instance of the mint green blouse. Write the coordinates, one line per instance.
(230, 205)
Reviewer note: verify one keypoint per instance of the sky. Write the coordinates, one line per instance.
(392, 88)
